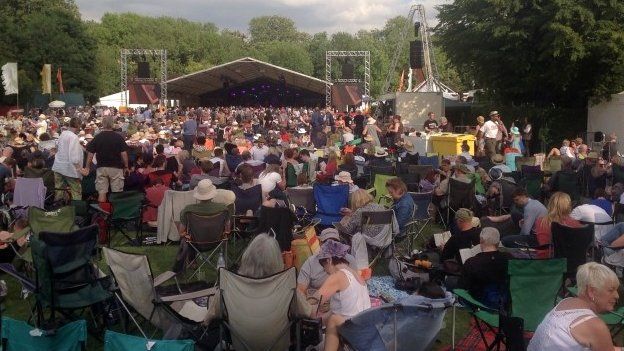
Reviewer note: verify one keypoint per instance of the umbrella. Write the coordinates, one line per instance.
(57, 104)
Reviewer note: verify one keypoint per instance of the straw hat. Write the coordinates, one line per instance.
(498, 159)
(344, 177)
(380, 152)
(462, 168)
(205, 190)
(409, 146)
(493, 113)
(301, 130)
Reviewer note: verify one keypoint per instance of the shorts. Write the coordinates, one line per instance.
(109, 177)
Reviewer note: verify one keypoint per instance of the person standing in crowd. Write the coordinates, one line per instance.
(111, 151)
(430, 125)
(372, 131)
(189, 130)
(480, 136)
(527, 136)
(501, 135)
(490, 131)
(68, 161)
(259, 151)
(358, 121)
(445, 125)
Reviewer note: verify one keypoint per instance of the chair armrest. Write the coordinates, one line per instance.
(190, 295)
(464, 295)
(99, 209)
(163, 277)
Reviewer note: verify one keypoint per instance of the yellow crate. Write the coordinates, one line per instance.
(447, 144)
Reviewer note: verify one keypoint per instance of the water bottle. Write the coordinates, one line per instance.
(220, 261)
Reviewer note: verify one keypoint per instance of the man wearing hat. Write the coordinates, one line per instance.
(461, 172)
(205, 192)
(259, 150)
(499, 162)
(490, 131)
(467, 236)
(312, 275)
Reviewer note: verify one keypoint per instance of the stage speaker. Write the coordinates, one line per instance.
(598, 137)
(417, 29)
(416, 54)
(347, 69)
(143, 70)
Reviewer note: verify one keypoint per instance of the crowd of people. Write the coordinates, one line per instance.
(89, 153)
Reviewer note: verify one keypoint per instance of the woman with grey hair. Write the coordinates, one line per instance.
(574, 323)
(261, 258)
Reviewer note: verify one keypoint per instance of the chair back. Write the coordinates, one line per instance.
(216, 169)
(422, 202)
(507, 189)
(460, 194)
(377, 217)
(126, 205)
(618, 173)
(302, 197)
(58, 221)
(206, 230)
(533, 184)
(279, 220)
(29, 192)
(568, 182)
(554, 163)
(258, 169)
(329, 200)
(433, 161)
(380, 186)
(247, 199)
(16, 336)
(421, 170)
(526, 169)
(521, 162)
(114, 341)
(572, 244)
(411, 180)
(387, 170)
(257, 311)
(66, 275)
(134, 279)
(411, 325)
(527, 302)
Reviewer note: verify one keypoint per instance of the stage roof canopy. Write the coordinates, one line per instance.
(237, 73)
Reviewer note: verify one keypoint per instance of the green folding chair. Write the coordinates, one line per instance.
(19, 336)
(58, 221)
(533, 289)
(126, 208)
(381, 192)
(114, 341)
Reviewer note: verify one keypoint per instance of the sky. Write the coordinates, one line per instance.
(310, 16)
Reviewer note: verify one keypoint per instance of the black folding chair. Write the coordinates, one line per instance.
(207, 238)
(573, 244)
(460, 195)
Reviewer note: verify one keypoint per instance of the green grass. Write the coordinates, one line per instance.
(161, 259)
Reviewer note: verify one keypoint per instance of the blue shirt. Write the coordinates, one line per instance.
(189, 127)
(604, 204)
(404, 211)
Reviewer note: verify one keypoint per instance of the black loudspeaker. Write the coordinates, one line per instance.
(144, 70)
(416, 54)
(417, 29)
(347, 69)
(598, 137)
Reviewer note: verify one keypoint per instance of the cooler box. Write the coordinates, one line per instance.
(450, 144)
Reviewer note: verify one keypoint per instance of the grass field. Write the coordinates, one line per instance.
(162, 258)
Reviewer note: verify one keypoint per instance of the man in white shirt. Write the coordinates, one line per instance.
(260, 150)
(68, 161)
(490, 131)
(593, 214)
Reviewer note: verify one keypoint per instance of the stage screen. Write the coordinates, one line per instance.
(144, 93)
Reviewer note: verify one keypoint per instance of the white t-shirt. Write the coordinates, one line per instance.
(269, 181)
(593, 214)
(259, 153)
(490, 129)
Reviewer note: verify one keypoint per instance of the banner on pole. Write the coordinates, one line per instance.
(9, 78)
(59, 80)
(46, 79)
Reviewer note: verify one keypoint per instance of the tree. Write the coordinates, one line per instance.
(544, 52)
(288, 55)
(274, 28)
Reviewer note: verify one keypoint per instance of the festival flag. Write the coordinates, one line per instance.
(46, 79)
(59, 79)
(9, 78)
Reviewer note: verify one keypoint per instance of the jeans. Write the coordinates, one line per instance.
(613, 233)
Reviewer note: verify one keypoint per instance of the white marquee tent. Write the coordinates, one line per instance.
(607, 116)
(116, 100)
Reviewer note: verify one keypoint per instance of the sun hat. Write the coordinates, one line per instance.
(329, 233)
(344, 177)
(333, 248)
(462, 168)
(380, 152)
(514, 130)
(301, 130)
(464, 214)
(205, 190)
(498, 159)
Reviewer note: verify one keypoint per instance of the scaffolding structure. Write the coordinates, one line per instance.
(162, 80)
(329, 56)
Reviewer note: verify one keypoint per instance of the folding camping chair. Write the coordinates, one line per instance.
(421, 217)
(19, 336)
(114, 341)
(28, 192)
(410, 325)
(569, 183)
(66, 276)
(524, 161)
(411, 180)
(207, 238)
(433, 161)
(280, 221)
(385, 220)
(532, 182)
(526, 302)
(247, 199)
(138, 290)
(329, 200)
(258, 313)
(460, 195)
(126, 207)
(421, 170)
(302, 198)
(57, 221)
(573, 244)
(381, 192)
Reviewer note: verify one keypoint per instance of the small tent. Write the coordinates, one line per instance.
(116, 100)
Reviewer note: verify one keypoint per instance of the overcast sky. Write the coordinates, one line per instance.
(309, 15)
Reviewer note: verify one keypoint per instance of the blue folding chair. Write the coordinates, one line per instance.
(114, 341)
(329, 200)
(429, 160)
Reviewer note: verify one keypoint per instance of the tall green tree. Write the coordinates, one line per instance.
(274, 29)
(561, 52)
